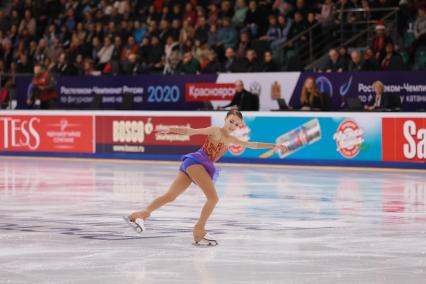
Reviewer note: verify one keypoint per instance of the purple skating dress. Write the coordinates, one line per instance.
(209, 153)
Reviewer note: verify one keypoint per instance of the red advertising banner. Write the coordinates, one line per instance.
(404, 139)
(56, 134)
(197, 92)
(133, 134)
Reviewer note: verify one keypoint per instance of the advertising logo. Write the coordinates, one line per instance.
(142, 134)
(415, 141)
(196, 92)
(276, 91)
(255, 88)
(324, 85)
(242, 133)
(404, 139)
(349, 138)
(47, 134)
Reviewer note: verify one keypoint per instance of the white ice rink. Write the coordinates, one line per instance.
(60, 222)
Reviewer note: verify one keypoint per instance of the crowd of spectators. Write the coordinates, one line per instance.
(76, 37)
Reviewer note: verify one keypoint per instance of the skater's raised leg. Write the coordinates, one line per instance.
(200, 176)
(179, 185)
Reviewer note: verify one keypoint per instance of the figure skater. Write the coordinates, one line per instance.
(198, 167)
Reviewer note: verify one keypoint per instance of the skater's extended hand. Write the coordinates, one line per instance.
(281, 148)
(163, 130)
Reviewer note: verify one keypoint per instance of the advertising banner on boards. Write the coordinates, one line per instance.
(142, 134)
(50, 134)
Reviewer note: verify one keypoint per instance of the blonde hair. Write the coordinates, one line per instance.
(307, 98)
(380, 84)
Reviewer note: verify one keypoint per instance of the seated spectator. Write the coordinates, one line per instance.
(326, 17)
(213, 66)
(355, 64)
(131, 47)
(273, 31)
(333, 64)
(226, 10)
(172, 55)
(23, 65)
(89, 68)
(202, 30)
(283, 7)
(392, 60)
(105, 53)
(213, 38)
(227, 34)
(344, 57)
(269, 65)
(213, 14)
(370, 62)
(240, 13)
(380, 40)
(54, 50)
(253, 21)
(243, 45)
(311, 98)
(284, 27)
(298, 26)
(139, 31)
(188, 65)
(4, 21)
(243, 99)
(419, 33)
(63, 67)
(29, 23)
(133, 66)
(379, 100)
(231, 64)
(251, 64)
(154, 55)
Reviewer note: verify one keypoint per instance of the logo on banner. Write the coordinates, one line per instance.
(404, 139)
(344, 89)
(255, 88)
(47, 134)
(415, 138)
(242, 133)
(20, 133)
(276, 91)
(66, 136)
(195, 92)
(349, 138)
(324, 85)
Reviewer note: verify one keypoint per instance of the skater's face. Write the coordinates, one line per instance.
(232, 122)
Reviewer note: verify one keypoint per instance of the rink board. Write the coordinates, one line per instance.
(341, 139)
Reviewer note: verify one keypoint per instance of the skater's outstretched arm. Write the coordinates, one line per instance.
(256, 145)
(212, 130)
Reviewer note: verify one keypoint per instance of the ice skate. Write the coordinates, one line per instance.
(206, 241)
(138, 225)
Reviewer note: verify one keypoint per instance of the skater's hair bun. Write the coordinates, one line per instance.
(235, 112)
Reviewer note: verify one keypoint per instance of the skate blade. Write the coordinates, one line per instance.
(135, 226)
(205, 243)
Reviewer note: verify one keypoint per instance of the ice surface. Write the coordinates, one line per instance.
(61, 222)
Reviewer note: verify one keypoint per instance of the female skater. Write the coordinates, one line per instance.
(198, 167)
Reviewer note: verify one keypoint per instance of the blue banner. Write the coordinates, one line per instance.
(310, 138)
(408, 86)
(150, 92)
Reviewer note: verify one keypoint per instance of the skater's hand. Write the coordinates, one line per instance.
(163, 130)
(280, 148)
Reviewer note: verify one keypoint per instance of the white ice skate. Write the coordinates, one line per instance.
(206, 241)
(138, 225)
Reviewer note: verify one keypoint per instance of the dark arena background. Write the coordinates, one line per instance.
(323, 180)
